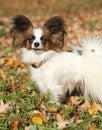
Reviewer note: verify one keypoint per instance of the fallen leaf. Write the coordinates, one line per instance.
(2, 115)
(12, 83)
(43, 117)
(3, 107)
(94, 109)
(27, 78)
(62, 124)
(23, 88)
(17, 62)
(10, 61)
(3, 74)
(35, 118)
(59, 117)
(92, 127)
(26, 128)
(38, 117)
(52, 109)
(14, 125)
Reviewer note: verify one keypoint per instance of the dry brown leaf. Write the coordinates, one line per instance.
(17, 62)
(59, 117)
(92, 127)
(3, 107)
(23, 88)
(12, 83)
(14, 125)
(2, 115)
(62, 124)
(27, 78)
(26, 128)
(79, 121)
(10, 61)
(43, 117)
(3, 74)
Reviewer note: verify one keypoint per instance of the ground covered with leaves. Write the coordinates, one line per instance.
(22, 107)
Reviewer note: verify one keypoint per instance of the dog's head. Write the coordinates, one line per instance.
(25, 35)
(50, 37)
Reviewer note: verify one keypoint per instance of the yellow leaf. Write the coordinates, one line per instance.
(53, 109)
(94, 109)
(36, 119)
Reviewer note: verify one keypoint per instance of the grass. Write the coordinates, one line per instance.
(22, 103)
(3, 32)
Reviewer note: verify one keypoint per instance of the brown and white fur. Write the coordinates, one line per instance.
(62, 71)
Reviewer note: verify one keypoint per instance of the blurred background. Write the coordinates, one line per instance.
(82, 16)
(47, 7)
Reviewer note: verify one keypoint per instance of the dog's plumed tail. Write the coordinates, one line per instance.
(92, 67)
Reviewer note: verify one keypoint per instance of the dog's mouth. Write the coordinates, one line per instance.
(37, 49)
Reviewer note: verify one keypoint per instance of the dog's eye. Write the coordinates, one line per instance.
(44, 39)
(31, 39)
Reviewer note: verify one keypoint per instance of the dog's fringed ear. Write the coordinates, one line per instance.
(55, 31)
(20, 30)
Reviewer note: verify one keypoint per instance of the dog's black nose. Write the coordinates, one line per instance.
(36, 44)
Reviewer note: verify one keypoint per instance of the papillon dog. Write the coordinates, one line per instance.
(61, 71)
(52, 36)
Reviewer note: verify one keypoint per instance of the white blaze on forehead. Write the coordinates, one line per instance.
(37, 33)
